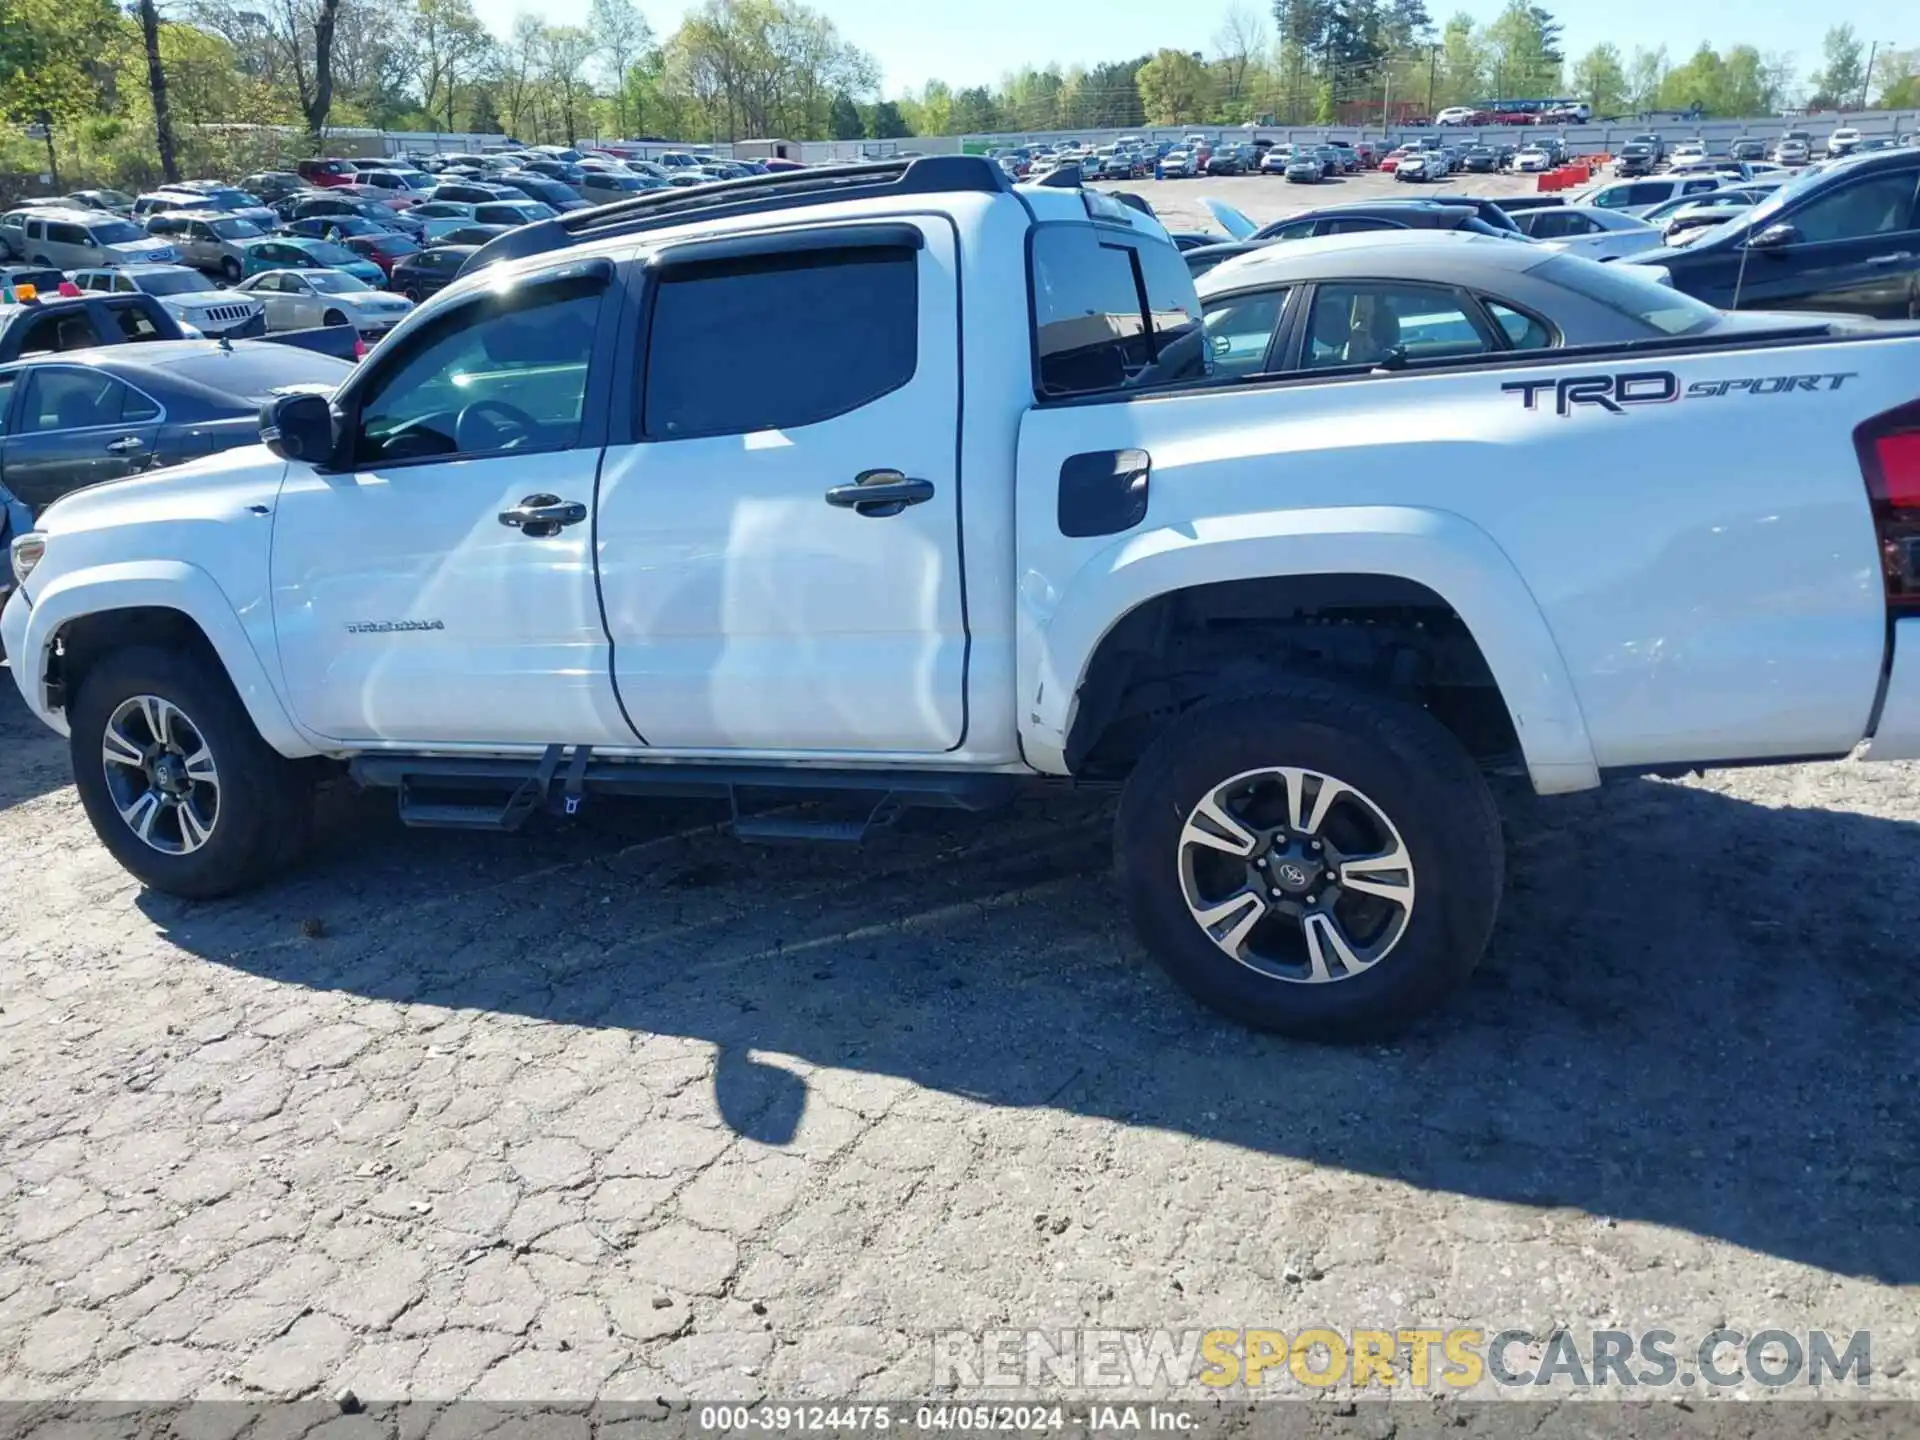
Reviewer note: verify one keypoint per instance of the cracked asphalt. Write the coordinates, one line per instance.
(627, 1110)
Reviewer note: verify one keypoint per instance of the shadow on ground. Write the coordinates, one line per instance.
(1698, 1011)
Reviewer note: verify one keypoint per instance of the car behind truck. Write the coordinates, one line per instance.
(898, 485)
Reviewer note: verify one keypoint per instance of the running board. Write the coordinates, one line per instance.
(502, 794)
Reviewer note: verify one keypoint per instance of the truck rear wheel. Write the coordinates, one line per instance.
(178, 784)
(1313, 860)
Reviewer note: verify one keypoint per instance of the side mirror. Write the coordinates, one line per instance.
(298, 427)
(1773, 237)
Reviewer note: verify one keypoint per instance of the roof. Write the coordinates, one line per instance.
(145, 267)
(1446, 256)
(64, 212)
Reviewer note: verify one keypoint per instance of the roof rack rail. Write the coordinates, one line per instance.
(783, 190)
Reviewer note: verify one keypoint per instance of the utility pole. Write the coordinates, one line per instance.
(1866, 77)
(1386, 95)
(1433, 57)
(44, 119)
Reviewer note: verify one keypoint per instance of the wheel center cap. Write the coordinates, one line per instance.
(1292, 875)
(170, 774)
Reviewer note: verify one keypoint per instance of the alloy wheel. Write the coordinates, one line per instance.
(1296, 875)
(161, 774)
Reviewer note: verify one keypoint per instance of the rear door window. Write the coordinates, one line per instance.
(1873, 205)
(773, 342)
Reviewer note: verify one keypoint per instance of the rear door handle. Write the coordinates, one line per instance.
(538, 516)
(879, 493)
(1897, 258)
(126, 445)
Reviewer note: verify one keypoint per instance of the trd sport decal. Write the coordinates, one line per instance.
(1614, 393)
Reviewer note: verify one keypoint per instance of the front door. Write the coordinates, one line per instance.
(73, 426)
(1853, 249)
(437, 587)
(779, 545)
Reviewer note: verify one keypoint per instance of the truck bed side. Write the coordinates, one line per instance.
(1663, 559)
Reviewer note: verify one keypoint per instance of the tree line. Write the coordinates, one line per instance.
(220, 86)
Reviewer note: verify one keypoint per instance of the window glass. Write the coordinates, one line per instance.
(507, 374)
(6, 399)
(1556, 224)
(1878, 205)
(1614, 198)
(1110, 314)
(1366, 324)
(1240, 330)
(776, 341)
(1523, 331)
(1354, 226)
(70, 398)
(135, 323)
(1650, 194)
(63, 234)
(1626, 290)
(68, 330)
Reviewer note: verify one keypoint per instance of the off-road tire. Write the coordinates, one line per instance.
(1407, 763)
(265, 811)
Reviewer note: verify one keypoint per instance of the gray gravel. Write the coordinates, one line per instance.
(627, 1109)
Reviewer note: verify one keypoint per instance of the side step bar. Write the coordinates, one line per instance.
(501, 794)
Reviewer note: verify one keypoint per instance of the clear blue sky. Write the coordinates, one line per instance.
(973, 42)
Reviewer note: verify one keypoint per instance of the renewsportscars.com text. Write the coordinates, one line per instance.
(1318, 1357)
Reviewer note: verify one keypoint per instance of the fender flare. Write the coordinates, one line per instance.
(1448, 554)
(163, 585)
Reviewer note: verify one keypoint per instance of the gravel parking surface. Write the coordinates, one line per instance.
(628, 1109)
(1263, 198)
(625, 1109)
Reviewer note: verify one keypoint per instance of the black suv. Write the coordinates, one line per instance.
(1844, 240)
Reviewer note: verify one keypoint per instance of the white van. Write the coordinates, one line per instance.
(79, 239)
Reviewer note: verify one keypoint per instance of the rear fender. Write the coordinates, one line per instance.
(1060, 632)
(160, 584)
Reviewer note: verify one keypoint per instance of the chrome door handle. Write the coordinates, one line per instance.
(539, 516)
(1898, 257)
(126, 445)
(879, 493)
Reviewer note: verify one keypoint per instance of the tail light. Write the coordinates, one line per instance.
(359, 349)
(1889, 447)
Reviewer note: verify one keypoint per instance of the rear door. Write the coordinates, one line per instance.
(74, 425)
(779, 542)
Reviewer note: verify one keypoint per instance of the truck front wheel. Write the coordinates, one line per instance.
(177, 782)
(1313, 861)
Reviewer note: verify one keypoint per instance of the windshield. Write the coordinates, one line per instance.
(1628, 292)
(172, 282)
(333, 255)
(335, 284)
(116, 232)
(230, 200)
(236, 229)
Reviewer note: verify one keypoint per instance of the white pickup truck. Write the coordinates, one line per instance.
(899, 485)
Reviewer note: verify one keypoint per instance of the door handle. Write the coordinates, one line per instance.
(539, 516)
(1897, 258)
(127, 445)
(879, 493)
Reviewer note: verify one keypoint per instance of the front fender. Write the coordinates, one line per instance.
(160, 584)
(1061, 630)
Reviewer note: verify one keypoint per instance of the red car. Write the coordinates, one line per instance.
(327, 173)
(386, 251)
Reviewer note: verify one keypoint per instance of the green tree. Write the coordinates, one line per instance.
(886, 122)
(973, 113)
(1524, 52)
(452, 47)
(1461, 77)
(1899, 74)
(1113, 95)
(1644, 73)
(1699, 84)
(1839, 80)
(1175, 89)
(843, 118)
(624, 36)
(1600, 79)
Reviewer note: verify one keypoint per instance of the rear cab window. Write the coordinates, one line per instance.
(1112, 311)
